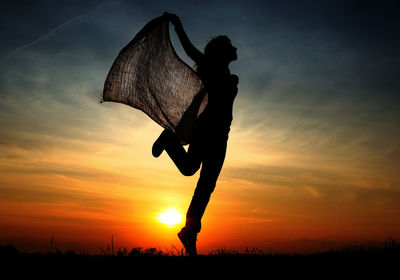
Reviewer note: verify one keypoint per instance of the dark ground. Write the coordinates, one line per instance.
(375, 261)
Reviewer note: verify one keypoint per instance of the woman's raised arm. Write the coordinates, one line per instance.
(190, 49)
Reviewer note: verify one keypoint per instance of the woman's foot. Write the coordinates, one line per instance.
(188, 239)
(159, 144)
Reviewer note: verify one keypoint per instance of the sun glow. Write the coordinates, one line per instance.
(170, 217)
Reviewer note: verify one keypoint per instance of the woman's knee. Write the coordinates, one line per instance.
(189, 170)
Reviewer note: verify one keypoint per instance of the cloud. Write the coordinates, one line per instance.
(75, 171)
(285, 176)
(37, 194)
(252, 220)
(69, 23)
(318, 183)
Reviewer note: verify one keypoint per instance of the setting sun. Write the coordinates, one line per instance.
(170, 217)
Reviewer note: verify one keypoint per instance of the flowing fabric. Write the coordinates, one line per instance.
(149, 75)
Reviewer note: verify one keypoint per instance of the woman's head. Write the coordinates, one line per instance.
(220, 49)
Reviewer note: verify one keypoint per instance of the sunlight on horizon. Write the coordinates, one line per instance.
(170, 217)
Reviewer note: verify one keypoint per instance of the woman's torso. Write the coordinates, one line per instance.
(222, 89)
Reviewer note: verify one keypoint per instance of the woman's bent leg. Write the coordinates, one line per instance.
(187, 162)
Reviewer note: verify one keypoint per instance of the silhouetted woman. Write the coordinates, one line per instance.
(210, 136)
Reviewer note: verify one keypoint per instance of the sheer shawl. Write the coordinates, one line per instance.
(148, 75)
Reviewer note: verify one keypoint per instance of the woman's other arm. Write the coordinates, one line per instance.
(190, 49)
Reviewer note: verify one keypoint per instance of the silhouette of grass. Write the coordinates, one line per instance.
(356, 259)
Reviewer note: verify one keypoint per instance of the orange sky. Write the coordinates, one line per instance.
(83, 192)
(313, 154)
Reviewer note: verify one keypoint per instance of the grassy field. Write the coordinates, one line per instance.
(373, 260)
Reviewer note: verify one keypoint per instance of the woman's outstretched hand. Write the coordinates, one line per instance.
(174, 19)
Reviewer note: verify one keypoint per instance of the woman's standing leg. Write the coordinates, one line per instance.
(210, 171)
(211, 168)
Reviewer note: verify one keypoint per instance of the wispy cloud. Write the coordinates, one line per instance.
(69, 23)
